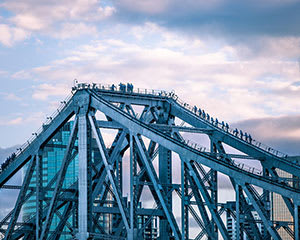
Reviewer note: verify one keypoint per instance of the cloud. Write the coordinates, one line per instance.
(281, 133)
(157, 7)
(10, 97)
(15, 121)
(10, 35)
(59, 19)
(73, 30)
(230, 18)
(44, 91)
(211, 74)
(29, 22)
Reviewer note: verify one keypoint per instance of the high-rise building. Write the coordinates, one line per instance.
(280, 211)
(52, 158)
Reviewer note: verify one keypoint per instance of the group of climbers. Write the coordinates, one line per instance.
(123, 87)
(225, 126)
(7, 161)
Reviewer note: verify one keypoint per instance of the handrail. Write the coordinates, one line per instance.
(220, 159)
(122, 88)
(225, 128)
(171, 95)
(36, 134)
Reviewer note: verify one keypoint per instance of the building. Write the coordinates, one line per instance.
(51, 163)
(52, 158)
(231, 223)
(280, 211)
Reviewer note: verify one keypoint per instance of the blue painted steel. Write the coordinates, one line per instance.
(102, 207)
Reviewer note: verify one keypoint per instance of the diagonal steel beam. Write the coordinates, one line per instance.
(48, 132)
(111, 160)
(212, 208)
(201, 208)
(288, 202)
(261, 212)
(109, 171)
(59, 181)
(197, 196)
(130, 110)
(218, 164)
(66, 214)
(158, 188)
(144, 113)
(243, 201)
(20, 199)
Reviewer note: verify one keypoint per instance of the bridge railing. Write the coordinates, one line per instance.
(124, 88)
(242, 166)
(120, 88)
(221, 158)
(35, 135)
(222, 126)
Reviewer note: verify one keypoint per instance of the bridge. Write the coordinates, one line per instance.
(155, 156)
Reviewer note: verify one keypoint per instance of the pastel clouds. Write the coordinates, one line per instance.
(11, 35)
(211, 74)
(53, 18)
(43, 91)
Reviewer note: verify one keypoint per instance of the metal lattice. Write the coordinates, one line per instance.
(149, 144)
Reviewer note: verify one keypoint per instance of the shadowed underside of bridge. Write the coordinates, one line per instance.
(153, 152)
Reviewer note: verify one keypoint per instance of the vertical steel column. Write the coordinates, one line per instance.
(296, 222)
(82, 178)
(266, 200)
(130, 234)
(184, 202)
(238, 210)
(39, 193)
(214, 187)
(137, 191)
(165, 178)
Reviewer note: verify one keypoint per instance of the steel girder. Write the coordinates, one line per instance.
(183, 149)
(20, 199)
(105, 174)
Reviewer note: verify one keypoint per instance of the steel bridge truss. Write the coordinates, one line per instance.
(145, 144)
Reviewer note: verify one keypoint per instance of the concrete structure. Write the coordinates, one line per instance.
(154, 136)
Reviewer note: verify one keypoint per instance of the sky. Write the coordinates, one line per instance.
(238, 60)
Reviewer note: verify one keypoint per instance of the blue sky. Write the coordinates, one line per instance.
(238, 60)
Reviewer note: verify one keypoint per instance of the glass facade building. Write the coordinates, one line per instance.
(280, 211)
(53, 154)
(52, 158)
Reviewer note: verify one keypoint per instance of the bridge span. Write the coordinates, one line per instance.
(115, 162)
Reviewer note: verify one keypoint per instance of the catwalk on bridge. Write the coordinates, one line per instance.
(120, 162)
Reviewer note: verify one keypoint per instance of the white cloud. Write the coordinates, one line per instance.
(29, 22)
(11, 96)
(44, 91)
(44, 15)
(15, 121)
(211, 74)
(10, 35)
(72, 30)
